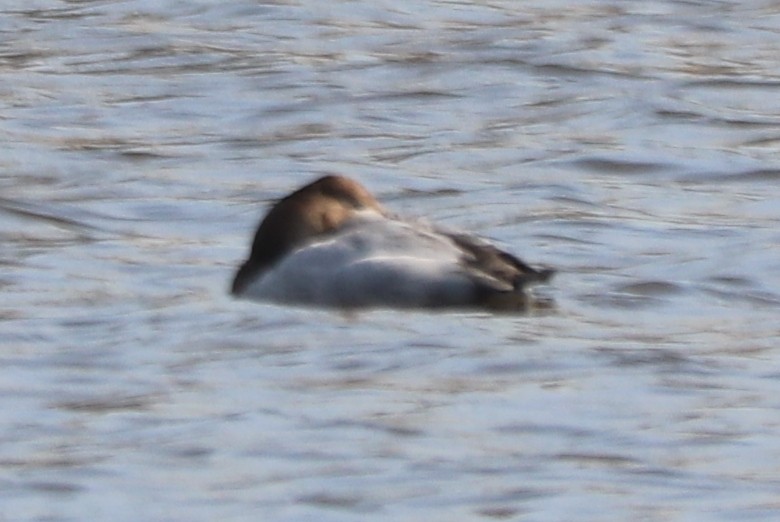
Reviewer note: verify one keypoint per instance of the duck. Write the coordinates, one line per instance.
(331, 244)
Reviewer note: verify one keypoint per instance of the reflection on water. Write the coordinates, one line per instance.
(633, 146)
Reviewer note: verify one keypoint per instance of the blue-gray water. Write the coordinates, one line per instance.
(633, 145)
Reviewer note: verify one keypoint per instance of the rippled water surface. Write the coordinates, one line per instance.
(633, 145)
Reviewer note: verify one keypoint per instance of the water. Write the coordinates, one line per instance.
(633, 145)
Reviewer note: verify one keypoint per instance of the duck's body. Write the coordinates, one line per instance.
(331, 244)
